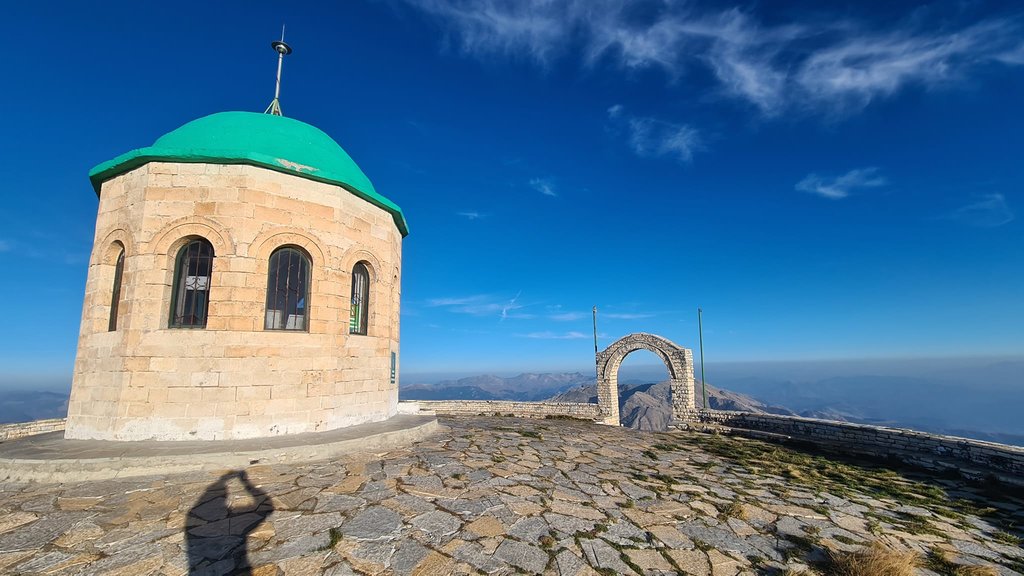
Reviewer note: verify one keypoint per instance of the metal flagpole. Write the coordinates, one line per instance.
(700, 333)
(282, 50)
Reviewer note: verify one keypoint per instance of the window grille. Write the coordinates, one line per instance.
(359, 313)
(287, 291)
(191, 299)
(115, 293)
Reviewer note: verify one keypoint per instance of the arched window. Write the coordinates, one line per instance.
(191, 298)
(358, 314)
(287, 290)
(115, 293)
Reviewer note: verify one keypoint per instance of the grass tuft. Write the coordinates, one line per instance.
(737, 510)
(873, 560)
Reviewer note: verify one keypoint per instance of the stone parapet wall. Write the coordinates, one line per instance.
(508, 407)
(22, 429)
(919, 448)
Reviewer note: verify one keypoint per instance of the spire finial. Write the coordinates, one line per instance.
(282, 50)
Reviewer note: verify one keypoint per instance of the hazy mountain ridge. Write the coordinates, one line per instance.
(527, 387)
(648, 406)
(981, 401)
(28, 405)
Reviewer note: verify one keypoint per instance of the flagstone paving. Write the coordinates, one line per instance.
(503, 496)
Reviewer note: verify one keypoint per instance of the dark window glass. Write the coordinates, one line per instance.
(191, 299)
(359, 312)
(115, 293)
(287, 291)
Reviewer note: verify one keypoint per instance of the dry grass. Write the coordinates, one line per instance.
(874, 560)
(737, 510)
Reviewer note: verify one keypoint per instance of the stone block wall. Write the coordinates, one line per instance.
(23, 429)
(233, 379)
(505, 407)
(933, 451)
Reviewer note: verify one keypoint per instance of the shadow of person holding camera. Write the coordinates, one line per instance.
(215, 533)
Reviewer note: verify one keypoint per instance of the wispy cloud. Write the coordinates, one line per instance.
(470, 215)
(567, 316)
(838, 187)
(481, 305)
(544, 186)
(859, 68)
(510, 306)
(547, 335)
(5, 246)
(626, 315)
(650, 136)
(456, 301)
(989, 211)
(832, 64)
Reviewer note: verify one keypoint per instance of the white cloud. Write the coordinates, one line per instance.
(857, 69)
(510, 306)
(834, 65)
(481, 305)
(653, 137)
(557, 335)
(626, 315)
(456, 301)
(470, 215)
(838, 187)
(4, 245)
(990, 211)
(544, 186)
(568, 316)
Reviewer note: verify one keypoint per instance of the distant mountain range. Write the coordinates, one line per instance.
(527, 387)
(27, 405)
(648, 406)
(980, 401)
(643, 406)
(940, 403)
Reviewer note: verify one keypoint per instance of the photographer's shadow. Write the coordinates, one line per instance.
(215, 534)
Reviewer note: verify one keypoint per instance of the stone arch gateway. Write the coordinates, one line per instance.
(678, 360)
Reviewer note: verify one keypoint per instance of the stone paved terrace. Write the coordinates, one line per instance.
(504, 495)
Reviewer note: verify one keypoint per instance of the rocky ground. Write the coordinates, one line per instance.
(503, 495)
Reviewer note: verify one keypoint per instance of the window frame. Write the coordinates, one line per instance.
(179, 281)
(115, 290)
(274, 288)
(362, 328)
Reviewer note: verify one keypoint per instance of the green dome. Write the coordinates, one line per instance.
(274, 142)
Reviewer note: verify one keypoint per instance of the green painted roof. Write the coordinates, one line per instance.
(275, 142)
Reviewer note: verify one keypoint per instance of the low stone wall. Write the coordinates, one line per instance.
(22, 429)
(507, 407)
(933, 451)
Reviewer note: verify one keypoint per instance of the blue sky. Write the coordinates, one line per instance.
(825, 182)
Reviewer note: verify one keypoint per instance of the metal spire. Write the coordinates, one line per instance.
(282, 50)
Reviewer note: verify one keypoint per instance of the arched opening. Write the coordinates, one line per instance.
(645, 391)
(287, 290)
(359, 313)
(115, 291)
(677, 359)
(191, 297)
